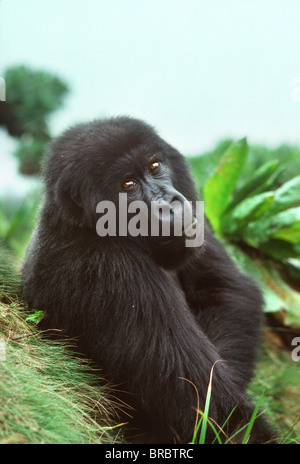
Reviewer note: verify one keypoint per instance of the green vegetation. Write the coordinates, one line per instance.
(47, 394)
(17, 223)
(277, 378)
(255, 210)
(9, 280)
(33, 97)
(276, 389)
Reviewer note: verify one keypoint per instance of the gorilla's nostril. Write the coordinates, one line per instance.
(177, 198)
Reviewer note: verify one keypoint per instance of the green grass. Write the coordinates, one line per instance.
(278, 377)
(47, 395)
(205, 421)
(276, 389)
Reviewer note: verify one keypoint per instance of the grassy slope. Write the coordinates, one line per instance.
(46, 394)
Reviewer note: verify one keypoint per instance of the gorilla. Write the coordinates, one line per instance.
(160, 318)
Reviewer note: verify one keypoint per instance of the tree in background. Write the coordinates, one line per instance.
(31, 98)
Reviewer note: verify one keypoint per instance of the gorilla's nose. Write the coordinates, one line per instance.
(171, 217)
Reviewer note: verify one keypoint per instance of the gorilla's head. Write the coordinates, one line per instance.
(91, 164)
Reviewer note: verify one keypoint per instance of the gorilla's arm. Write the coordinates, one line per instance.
(227, 305)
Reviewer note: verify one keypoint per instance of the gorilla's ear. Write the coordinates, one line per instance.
(69, 199)
(88, 199)
(77, 200)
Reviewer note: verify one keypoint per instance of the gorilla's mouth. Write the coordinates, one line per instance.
(188, 232)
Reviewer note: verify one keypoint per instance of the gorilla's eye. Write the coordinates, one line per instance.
(154, 165)
(128, 184)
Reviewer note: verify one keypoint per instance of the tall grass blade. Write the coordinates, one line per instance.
(251, 422)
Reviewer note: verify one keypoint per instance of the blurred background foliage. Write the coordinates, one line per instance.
(252, 202)
(33, 97)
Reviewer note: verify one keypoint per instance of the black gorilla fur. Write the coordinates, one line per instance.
(155, 317)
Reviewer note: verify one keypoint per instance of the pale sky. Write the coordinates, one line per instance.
(197, 70)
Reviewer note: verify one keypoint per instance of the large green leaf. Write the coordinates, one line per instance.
(261, 181)
(290, 233)
(203, 165)
(291, 298)
(221, 184)
(286, 196)
(279, 225)
(258, 271)
(248, 210)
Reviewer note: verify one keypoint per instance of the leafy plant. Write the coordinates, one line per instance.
(219, 187)
(258, 218)
(287, 157)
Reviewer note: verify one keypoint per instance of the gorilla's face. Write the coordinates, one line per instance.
(101, 170)
(143, 186)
